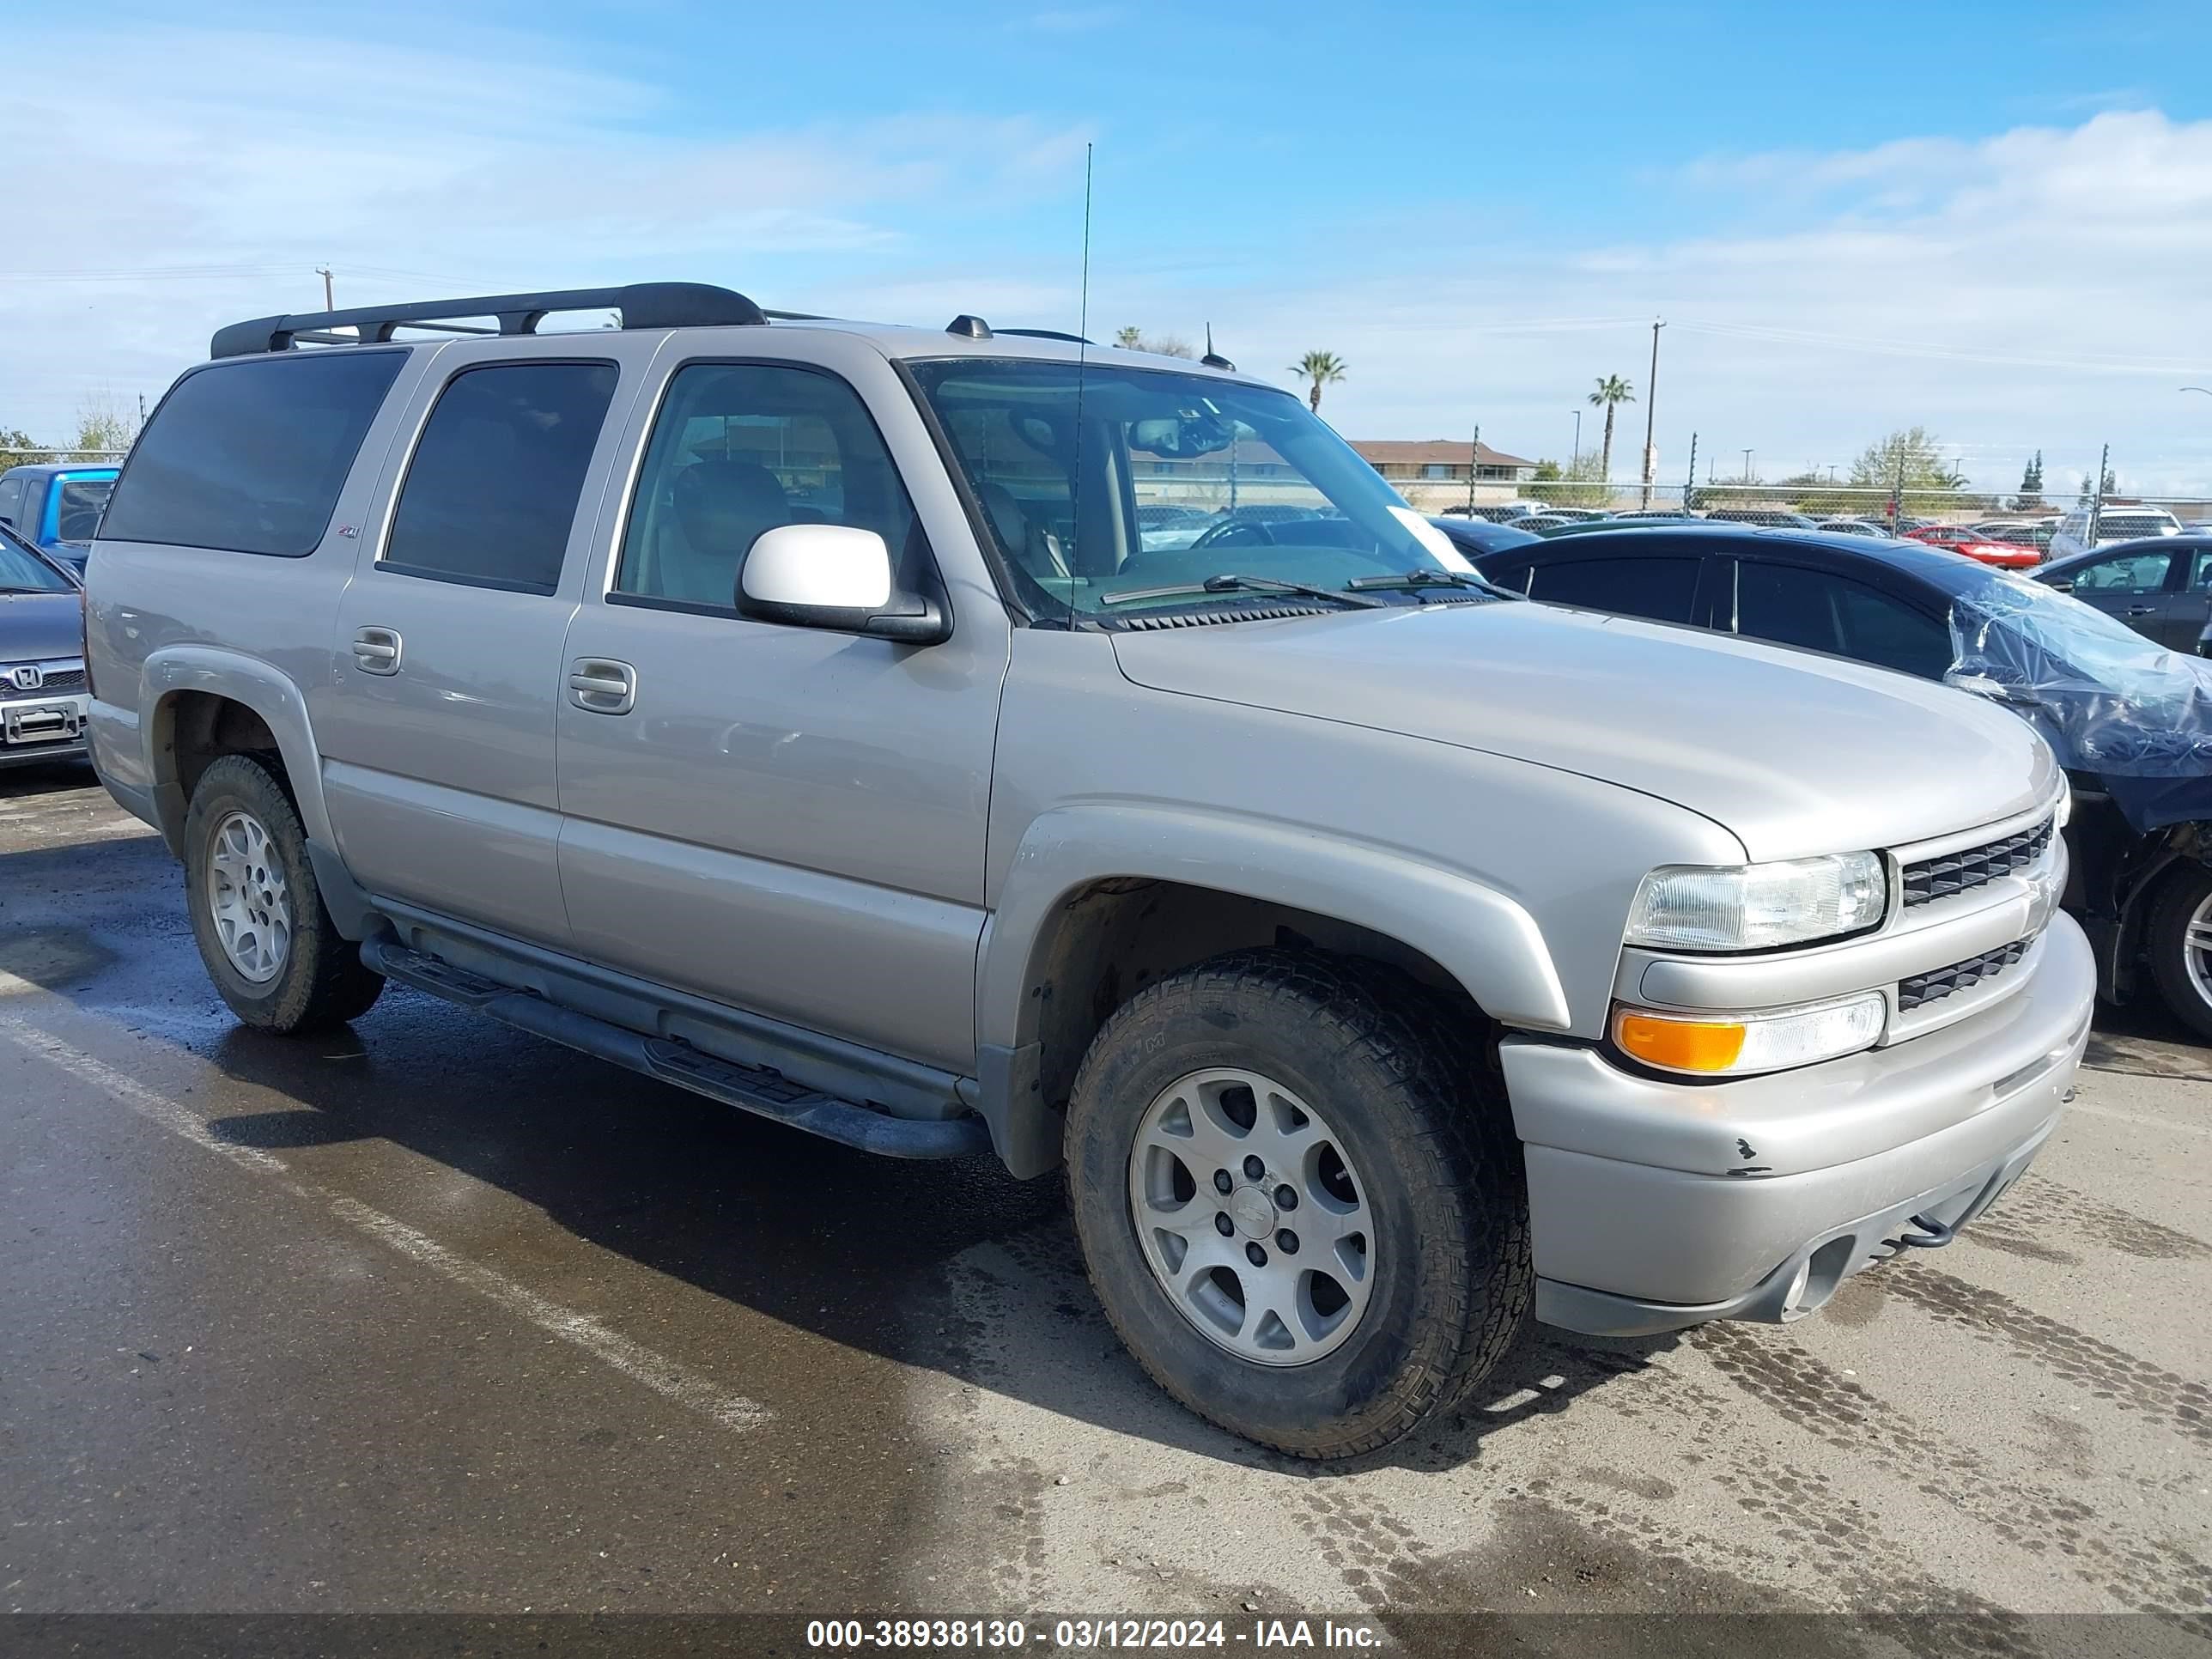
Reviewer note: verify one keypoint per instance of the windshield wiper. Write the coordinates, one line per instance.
(1432, 578)
(1229, 582)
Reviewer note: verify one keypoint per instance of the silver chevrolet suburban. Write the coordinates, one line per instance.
(792, 710)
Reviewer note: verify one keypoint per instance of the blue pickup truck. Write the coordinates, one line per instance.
(55, 506)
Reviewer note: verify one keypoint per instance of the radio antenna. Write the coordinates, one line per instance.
(1083, 309)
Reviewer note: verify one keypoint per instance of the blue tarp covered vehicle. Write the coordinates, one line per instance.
(2132, 724)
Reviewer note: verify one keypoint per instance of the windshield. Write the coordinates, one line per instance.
(22, 571)
(1105, 485)
(76, 515)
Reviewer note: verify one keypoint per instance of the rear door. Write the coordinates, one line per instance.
(1814, 606)
(439, 735)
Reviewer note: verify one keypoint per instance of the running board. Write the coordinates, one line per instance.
(756, 1089)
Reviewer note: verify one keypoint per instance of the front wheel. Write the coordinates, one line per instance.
(1300, 1206)
(2179, 938)
(268, 944)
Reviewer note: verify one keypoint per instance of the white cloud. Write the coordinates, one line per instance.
(2041, 287)
(209, 187)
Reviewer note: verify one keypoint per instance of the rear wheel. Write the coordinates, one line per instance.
(268, 944)
(1301, 1206)
(2179, 938)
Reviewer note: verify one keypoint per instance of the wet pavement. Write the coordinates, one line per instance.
(427, 1315)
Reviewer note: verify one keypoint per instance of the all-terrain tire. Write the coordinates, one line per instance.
(2182, 898)
(1401, 1077)
(322, 982)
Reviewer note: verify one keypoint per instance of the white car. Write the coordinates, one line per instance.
(2118, 522)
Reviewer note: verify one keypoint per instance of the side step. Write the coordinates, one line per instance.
(754, 1088)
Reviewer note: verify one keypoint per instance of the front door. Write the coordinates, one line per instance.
(782, 818)
(2128, 587)
(438, 737)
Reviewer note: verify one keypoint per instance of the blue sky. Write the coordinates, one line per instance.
(1994, 221)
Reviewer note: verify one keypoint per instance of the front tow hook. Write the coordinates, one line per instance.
(1932, 1236)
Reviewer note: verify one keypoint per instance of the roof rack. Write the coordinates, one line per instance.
(642, 304)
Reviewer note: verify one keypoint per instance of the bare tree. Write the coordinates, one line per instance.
(1160, 345)
(103, 426)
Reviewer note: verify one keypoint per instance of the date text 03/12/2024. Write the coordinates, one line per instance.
(1087, 1635)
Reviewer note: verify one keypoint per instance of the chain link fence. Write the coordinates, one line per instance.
(34, 456)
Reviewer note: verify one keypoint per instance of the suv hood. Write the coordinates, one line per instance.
(1794, 752)
(40, 627)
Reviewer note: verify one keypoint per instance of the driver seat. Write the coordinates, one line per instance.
(1029, 545)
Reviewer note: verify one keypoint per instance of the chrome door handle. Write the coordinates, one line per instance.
(376, 650)
(2142, 610)
(603, 685)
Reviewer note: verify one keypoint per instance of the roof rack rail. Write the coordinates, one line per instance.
(642, 304)
(1048, 334)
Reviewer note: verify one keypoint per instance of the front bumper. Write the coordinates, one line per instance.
(35, 730)
(1657, 1205)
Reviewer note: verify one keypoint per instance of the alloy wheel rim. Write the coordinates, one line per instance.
(248, 899)
(2197, 948)
(1252, 1219)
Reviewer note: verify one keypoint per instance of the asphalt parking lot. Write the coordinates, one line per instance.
(433, 1316)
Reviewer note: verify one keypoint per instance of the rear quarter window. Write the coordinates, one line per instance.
(249, 457)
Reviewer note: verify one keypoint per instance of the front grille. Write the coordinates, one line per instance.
(1927, 880)
(56, 681)
(1923, 988)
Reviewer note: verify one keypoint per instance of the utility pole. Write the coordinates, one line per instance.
(329, 303)
(1473, 461)
(1650, 411)
(2097, 501)
(1747, 466)
(1579, 436)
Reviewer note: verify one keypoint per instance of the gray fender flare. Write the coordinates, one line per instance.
(243, 679)
(1482, 937)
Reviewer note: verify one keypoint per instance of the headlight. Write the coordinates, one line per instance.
(1756, 906)
(1738, 1044)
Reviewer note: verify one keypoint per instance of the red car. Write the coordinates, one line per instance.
(1958, 538)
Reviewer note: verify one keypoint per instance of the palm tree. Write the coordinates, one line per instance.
(1131, 338)
(1318, 369)
(1611, 390)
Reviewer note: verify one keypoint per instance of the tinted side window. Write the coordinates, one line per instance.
(2136, 572)
(1660, 588)
(11, 500)
(1795, 606)
(77, 515)
(740, 448)
(1505, 574)
(250, 456)
(494, 484)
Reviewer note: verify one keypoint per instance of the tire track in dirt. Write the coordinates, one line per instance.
(2037, 1210)
(2133, 1385)
(1861, 1568)
(1783, 1375)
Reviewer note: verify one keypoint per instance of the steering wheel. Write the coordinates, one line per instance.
(1234, 532)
